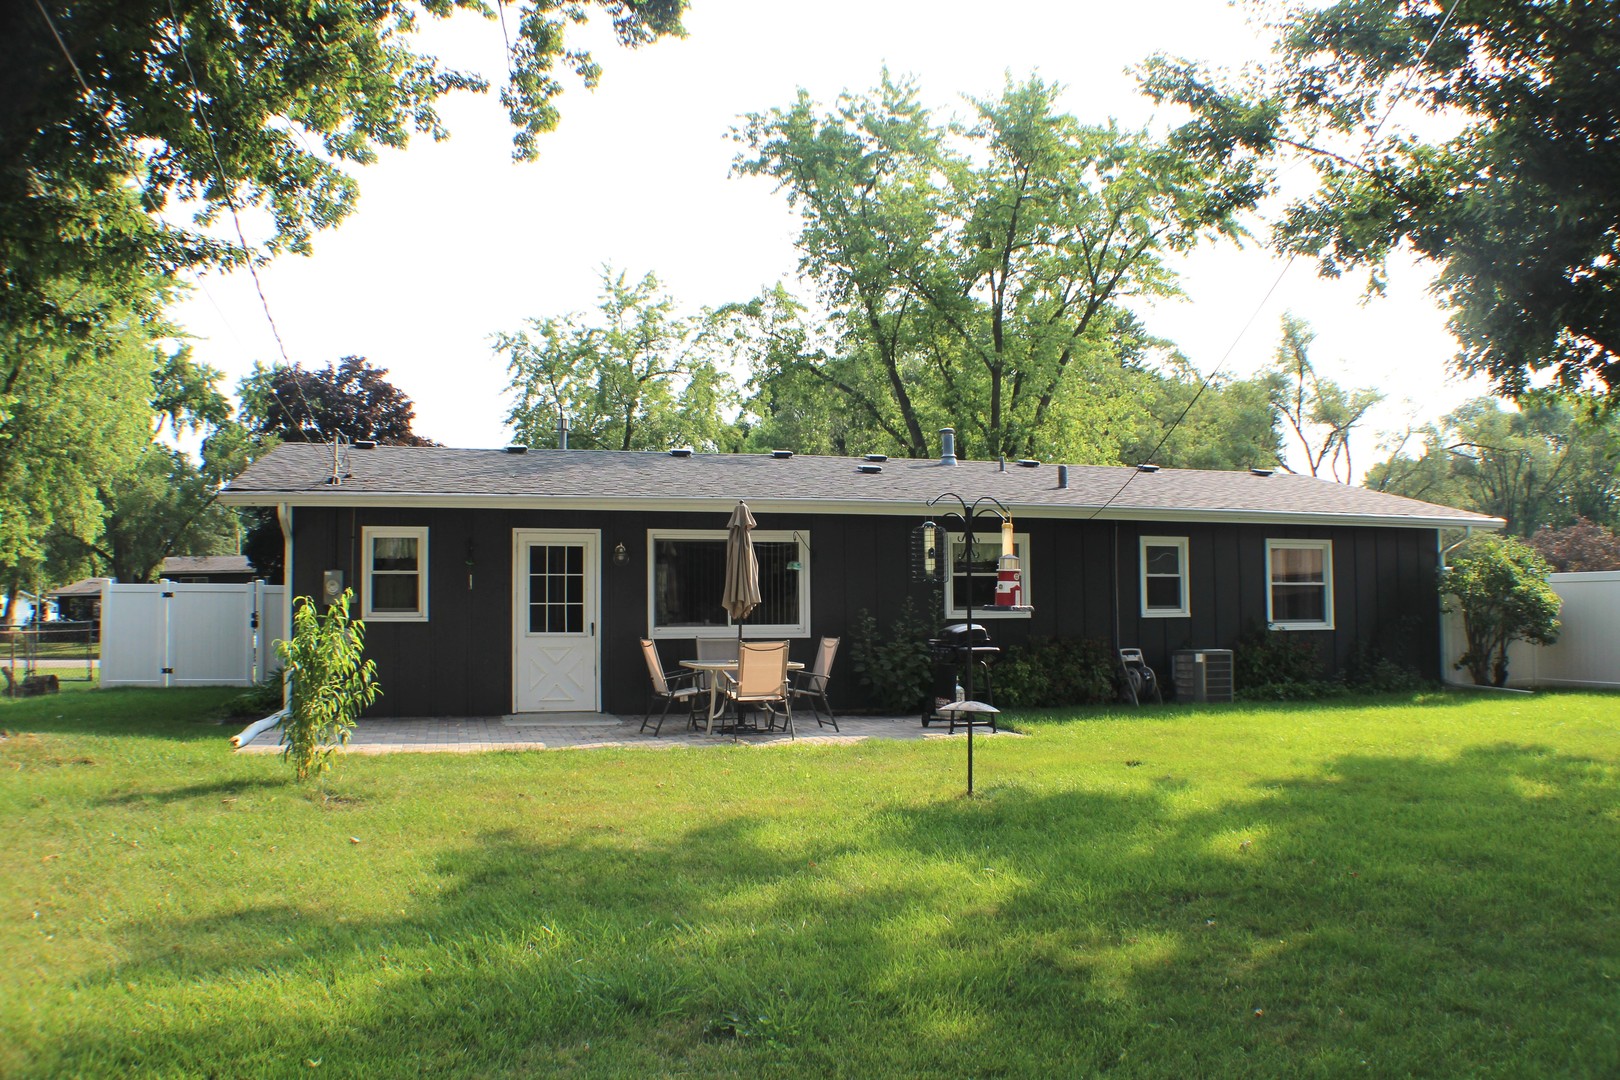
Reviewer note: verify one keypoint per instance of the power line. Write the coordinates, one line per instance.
(1366, 148)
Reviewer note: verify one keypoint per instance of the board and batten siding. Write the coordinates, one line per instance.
(459, 662)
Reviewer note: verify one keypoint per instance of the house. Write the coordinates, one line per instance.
(208, 569)
(499, 581)
(80, 601)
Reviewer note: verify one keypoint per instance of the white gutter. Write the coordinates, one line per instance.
(1447, 678)
(641, 504)
(284, 517)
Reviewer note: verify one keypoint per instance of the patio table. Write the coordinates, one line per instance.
(728, 666)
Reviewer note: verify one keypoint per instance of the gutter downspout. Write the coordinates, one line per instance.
(1446, 669)
(284, 514)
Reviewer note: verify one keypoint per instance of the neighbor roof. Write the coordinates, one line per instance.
(207, 564)
(301, 474)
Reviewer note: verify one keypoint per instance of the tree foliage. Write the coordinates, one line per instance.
(1518, 208)
(121, 114)
(350, 399)
(330, 682)
(1580, 548)
(635, 376)
(1547, 463)
(1321, 414)
(975, 273)
(1499, 584)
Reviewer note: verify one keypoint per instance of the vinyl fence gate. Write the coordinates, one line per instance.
(189, 634)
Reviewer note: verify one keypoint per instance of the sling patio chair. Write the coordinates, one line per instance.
(669, 687)
(811, 684)
(762, 680)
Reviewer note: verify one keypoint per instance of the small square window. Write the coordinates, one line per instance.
(1164, 577)
(394, 576)
(985, 568)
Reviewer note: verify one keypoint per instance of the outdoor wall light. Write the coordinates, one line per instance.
(621, 557)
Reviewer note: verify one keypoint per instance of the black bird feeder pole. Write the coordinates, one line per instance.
(966, 516)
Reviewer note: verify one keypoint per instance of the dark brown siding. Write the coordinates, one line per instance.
(459, 663)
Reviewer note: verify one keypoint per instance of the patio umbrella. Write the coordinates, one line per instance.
(741, 595)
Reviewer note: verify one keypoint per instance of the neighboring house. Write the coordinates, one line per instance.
(80, 601)
(217, 569)
(495, 582)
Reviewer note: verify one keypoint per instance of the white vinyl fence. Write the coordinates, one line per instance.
(1587, 652)
(189, 634)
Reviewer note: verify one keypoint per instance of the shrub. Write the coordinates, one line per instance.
(1045, 672)
(331, 682)
(1499, 584)
(896, 664)
(262, 700)
(1265, 663)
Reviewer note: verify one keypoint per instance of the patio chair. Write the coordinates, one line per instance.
(669, 687)
(811, 683)
(761, 680)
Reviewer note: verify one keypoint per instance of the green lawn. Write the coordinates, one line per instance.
(1384, 888)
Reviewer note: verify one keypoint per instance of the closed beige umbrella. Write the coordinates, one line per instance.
(741, 595)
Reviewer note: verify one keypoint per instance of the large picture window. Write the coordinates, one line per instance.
(986, 563)
(1164, 577)
(688, 575)
(1299, 574)
(394, 588)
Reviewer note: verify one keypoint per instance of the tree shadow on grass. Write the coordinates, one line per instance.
(241, 785)
(1394, 915)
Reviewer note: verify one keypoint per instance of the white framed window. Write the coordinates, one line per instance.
(394, 577)
(986, 563)
(686, 575)
(1299, 584)
(1164, 577)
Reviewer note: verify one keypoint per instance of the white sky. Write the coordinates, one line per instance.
(452, 241)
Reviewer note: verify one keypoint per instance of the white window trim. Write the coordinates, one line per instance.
(369, 533)
(751, 629)
(953, 610)
(1326, 547)
(1180, 544)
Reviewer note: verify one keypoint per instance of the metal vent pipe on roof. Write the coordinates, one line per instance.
(1063, 476)
(562, 431)
(947, 446)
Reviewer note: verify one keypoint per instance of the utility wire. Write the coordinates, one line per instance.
(1366, 148)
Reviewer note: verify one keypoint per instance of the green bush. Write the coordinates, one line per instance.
(331, 682)
(896, 662)
(262, 700)
(1266, 663)
(1044, 672)
(1499, 584)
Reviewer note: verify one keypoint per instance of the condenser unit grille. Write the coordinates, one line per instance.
(1202, 674)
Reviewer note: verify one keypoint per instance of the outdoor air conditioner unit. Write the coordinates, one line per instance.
(1202, 674)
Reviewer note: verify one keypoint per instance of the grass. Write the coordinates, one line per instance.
(1417, 887)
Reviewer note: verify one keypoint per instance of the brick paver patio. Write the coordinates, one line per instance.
(589, 730)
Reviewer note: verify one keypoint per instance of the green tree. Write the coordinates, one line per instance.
(1321, 414)
(1499, 584)
(1230, 424)
(1518, 208)
(636, 376)
(330, 680)
(974, 273)
(118, 111)
(1546, 463)
(74, 412)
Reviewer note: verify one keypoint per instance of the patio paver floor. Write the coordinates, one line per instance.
(593, 730)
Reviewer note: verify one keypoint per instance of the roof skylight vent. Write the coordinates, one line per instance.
(364, 444)
(880, 458)
(869, 468)
(781, 455)
(1145, 467)
(1262, 472)
(1028, 463)
(517, 448)
(681, 451)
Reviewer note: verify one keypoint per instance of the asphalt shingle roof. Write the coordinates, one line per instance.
(300, 473)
